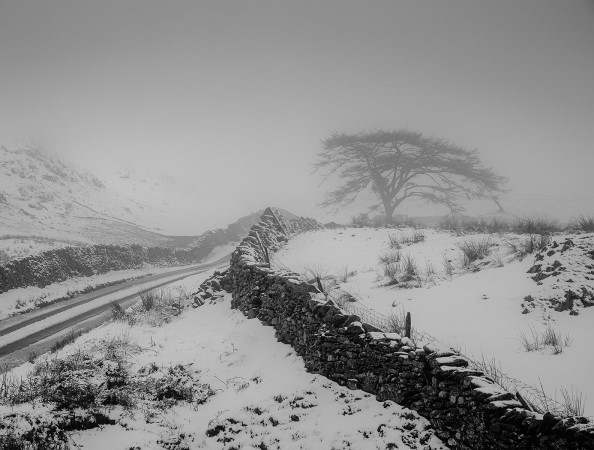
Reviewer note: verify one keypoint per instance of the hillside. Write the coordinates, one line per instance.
(527, 318)
(46, 202)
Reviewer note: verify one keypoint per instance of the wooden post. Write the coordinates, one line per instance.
(320, 287)
(407, 325)
(266, 255)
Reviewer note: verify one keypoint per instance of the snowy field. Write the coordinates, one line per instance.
(477, 309)
(258, 396)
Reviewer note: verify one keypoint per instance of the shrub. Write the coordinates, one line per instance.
(360, 221)
(117, 312)
(466, 225)
(582, 223)
(536, 225)
(4, 257)
(151, 298)
(475, 248)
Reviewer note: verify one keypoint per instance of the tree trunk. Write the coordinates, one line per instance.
(389, 210)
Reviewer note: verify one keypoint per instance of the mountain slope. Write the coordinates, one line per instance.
(42, 195)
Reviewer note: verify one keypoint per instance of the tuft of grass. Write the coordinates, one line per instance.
(391, 271)
(414, 238)
(524, 247)
(117, 312)
(345, 274)
(574, 402)
(536, 225)
(498, 259)
(531, 342)
(68, 339)
(394, 242)
(536, 341)
(316, 271)
(582, 223)
(396, 322)
(390, 257)
(448, 265)
(475, 248)
(429, 269)
(150, 299)
(409, 268)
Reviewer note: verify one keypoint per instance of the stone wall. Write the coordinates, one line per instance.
(467, 409)
(57, 265)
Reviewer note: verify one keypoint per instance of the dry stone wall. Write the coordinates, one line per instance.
(60, 264)
(468, 410)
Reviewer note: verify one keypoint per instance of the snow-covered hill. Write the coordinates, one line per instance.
(42, 195)
(480, 308)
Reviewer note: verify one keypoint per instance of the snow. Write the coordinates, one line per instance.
(259, 382)
(478, 313)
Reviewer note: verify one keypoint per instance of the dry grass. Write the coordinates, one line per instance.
(448, 265)
(536, 341)
(526, 246)
(536, 225)
(414, 238)
(475, 248)
(390, 257)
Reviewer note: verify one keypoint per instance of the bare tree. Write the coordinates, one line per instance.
(401, 165)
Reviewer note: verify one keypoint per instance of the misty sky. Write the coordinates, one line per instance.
(235, 96)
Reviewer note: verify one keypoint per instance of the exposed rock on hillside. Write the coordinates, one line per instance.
(564, 272)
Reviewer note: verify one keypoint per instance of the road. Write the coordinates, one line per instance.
(35, 332)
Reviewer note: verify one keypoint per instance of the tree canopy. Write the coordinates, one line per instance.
(402, 165)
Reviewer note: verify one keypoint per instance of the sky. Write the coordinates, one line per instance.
(235, 97)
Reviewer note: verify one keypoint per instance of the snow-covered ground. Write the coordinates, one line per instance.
(479, 313)
(263, 396)
(16, 301)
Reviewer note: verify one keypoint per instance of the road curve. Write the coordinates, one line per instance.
(39, 338)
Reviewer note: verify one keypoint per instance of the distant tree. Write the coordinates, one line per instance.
(402, 165)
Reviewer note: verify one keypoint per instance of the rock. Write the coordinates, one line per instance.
(370, 328)
(355, 328)
(352, 383)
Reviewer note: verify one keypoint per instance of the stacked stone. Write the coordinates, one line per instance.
(60, 264)
(468, 410)
(211, 289)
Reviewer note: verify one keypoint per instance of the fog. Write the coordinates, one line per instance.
(235, 97)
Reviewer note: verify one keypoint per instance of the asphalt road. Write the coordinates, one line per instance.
(35, 338)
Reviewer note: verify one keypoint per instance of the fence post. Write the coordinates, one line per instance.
(266, 255)
(408, 325)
